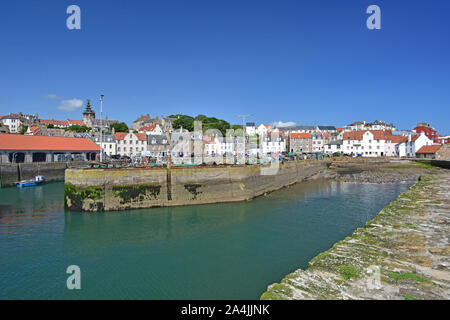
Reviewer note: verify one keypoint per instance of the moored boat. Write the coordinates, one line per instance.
(38, 180)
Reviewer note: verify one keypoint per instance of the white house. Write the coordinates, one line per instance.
(130, 144)
(107, 143)
(335, 146)
(365, 143)
(411, 144)
(155, 130)
(250, 128)
(262, 129)
(420, 141)
(272, 143)
(13, 122)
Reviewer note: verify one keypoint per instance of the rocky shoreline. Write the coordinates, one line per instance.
(402, 254)
(381, 172)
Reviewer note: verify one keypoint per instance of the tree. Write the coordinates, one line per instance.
(119, 127)
(50, 126)
(187, 122)
(23, 129)
(182, 120)
(77, 128)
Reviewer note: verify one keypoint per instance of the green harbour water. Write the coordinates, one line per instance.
(218, 251)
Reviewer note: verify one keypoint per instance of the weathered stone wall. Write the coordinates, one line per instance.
(121, 189)
(53, 171)
(8, 175)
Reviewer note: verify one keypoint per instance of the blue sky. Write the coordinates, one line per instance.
(312, 62)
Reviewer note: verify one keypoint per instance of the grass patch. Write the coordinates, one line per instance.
(408, 275)
(410, 225)
(349, 272)
(410, 297)
(415, 165)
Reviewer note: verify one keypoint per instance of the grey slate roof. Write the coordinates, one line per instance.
(327, 128)
(336, 142)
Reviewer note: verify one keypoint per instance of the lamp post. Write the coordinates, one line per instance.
(101, 127)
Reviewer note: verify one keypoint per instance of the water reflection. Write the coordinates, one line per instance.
(217, 251)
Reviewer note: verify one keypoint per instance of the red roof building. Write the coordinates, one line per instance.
(429, 149)
(427, 130)
(301, 136)
(44, 148)
(45, 143)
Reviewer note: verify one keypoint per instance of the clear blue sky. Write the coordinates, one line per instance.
(312, 62)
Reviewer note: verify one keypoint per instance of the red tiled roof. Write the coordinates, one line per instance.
(147, 128)
(54, 122)
(122, 135)
(23, 142)
(78, 122)
(353, 135)
(339, 129)
(141, 136)
(429, 149)
(396, 138)
(300, 136)
(358, 135)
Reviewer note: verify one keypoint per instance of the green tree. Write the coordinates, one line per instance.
(119, 127)
(182, 120)
(187, 122)
(50, 126)
(77, 128)
(23, 129)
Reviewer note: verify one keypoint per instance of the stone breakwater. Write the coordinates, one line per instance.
(132, 188)
(403, 253)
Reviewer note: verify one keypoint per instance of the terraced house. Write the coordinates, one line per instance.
(130, 143)
(318, 141)
(158, 145)
(300, 142)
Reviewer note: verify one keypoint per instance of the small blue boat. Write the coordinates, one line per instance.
(38, 180)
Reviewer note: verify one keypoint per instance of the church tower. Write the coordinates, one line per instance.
(88, 114)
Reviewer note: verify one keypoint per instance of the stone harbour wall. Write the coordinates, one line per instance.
(401, 254)
(10, 174)
(132, 188)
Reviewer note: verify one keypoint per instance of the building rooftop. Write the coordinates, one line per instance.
(429, 149)
(45, 143)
